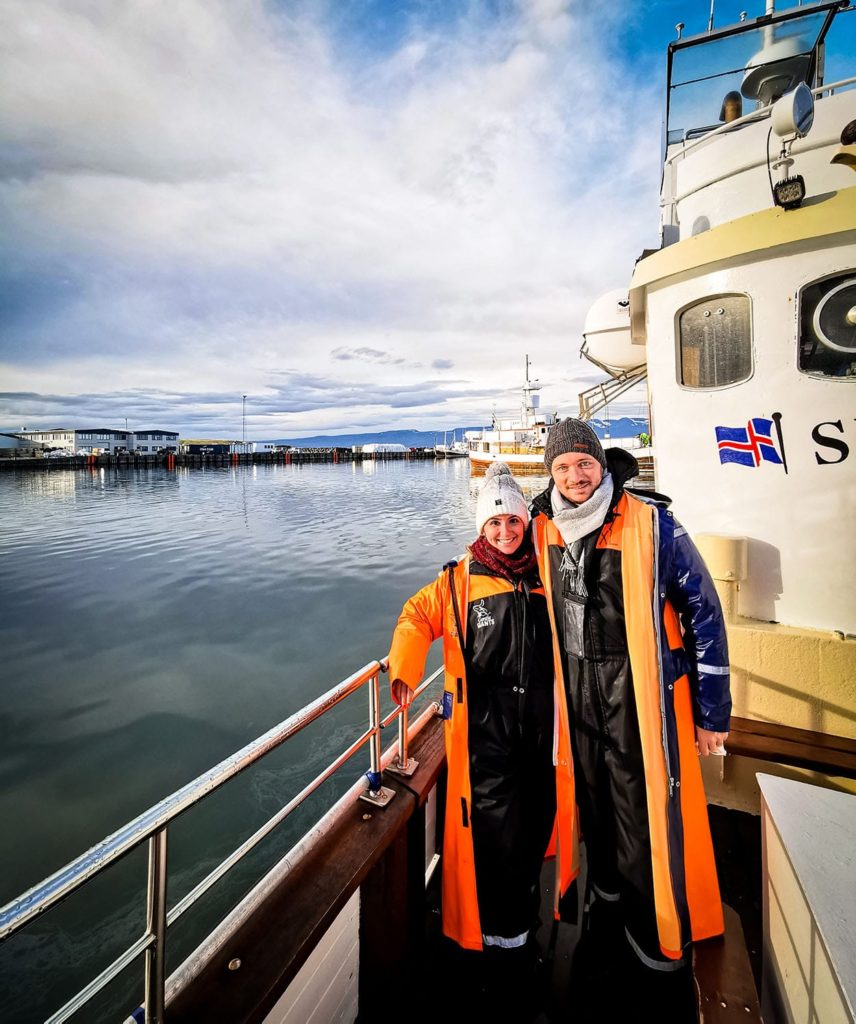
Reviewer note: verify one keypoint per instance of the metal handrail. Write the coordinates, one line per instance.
(249, 844)
(82, 997)
(152, 825)
(754, 115)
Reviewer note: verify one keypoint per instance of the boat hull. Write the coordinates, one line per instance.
(518, 462)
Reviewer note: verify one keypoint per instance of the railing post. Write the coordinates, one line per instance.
(156, 926)
(377, 793)
(403, 764)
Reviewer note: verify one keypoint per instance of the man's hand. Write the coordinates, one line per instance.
(401, 693)
(710, 742)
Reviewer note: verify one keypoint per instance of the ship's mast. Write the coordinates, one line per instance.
(531, 400)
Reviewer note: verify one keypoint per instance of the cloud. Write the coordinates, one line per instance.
(290, 399)
(367, 355)
(198, 195)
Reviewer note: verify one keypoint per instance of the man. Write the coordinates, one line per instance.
(641, 641)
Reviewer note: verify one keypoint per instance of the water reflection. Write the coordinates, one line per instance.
(154, 621)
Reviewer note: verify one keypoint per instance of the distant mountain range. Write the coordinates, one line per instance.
(623, 426)
(409, 438)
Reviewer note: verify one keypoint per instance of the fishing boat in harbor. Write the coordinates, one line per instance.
(518, 441)
(745, 321)
(456, 450)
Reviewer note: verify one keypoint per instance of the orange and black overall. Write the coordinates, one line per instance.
(655, 664)
(509, 791)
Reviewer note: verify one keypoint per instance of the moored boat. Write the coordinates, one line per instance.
(458, 449)
(745, 320)
(519, 441)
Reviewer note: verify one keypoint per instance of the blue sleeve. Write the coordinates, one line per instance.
(690, 589)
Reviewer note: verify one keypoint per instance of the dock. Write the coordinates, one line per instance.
(298, 456)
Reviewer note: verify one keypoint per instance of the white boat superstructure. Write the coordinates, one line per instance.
(517, 441)
(761, 300)
(746, 317)
(745, 323)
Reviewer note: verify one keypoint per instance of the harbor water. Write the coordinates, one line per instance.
(153, 622)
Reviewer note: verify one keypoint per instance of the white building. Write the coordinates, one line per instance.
(103, 440)
(250, 447)
(148, 441)
(59, 437)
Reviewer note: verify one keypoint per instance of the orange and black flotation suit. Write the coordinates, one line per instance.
(427, 616)
(672, 689)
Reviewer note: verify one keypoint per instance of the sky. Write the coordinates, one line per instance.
(359, 214)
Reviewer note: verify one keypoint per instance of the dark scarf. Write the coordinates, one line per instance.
(513, 567)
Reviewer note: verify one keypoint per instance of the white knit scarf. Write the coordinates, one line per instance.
(577, 521)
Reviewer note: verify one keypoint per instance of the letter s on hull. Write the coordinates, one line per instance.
(830, 442)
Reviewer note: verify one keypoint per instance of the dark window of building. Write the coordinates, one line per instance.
(715, 342)
(828, 327)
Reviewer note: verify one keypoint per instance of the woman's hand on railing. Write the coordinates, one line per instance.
(401, 693)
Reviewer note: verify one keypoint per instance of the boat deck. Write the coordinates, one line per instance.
(568, 985)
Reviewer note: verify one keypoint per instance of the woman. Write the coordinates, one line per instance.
(504, 714)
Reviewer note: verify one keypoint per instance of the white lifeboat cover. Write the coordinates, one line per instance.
(607, 331)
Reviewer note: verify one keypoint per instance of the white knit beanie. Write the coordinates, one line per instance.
(500, 496)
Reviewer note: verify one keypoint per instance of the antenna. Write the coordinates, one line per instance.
(710, 19)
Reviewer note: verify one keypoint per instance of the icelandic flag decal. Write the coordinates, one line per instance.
(748, 446)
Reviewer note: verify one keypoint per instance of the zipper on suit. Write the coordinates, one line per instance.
(658, 637)
(520, 628)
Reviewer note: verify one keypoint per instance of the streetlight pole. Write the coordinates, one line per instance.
(244, 422)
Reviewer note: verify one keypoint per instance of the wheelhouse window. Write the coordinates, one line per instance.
(827, 344)
(724, 74)
(715, 342)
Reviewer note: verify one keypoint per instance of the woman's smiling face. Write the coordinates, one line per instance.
(505, 533)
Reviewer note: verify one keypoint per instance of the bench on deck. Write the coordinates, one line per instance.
(722, 968)
(800, 748)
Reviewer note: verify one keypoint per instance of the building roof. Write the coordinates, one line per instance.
(208, 440)
(101, 430)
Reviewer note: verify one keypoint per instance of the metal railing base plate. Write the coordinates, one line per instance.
(406, 769)
(380, 798)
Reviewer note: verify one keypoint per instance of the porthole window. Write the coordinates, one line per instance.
(828, 327)
(715, 342)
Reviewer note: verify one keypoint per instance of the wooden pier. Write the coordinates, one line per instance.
(298, 456)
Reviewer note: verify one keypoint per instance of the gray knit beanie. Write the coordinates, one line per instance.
(572, 435)
(500, 496)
